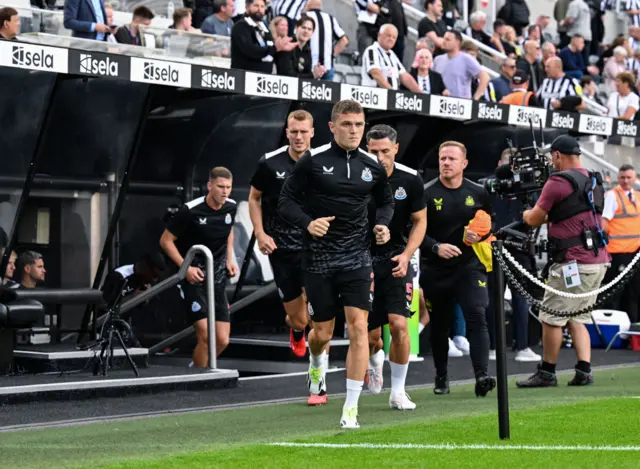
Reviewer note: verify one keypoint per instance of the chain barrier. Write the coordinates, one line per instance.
(605, 293)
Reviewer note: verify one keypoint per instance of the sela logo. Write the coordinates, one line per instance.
(103, 67)
(452, 108)
(32, 57)
(275, 86)
(405, 103)
(562, 122)
(162, 72)
(489, 112)
(590, 124)
(596, 125)
(210, 79)
(280, 175)
(320, 93)
(326, 170)
(526, 116)
(368, 97)
(627, 129)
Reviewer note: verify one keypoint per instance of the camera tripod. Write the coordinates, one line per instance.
(109, 331)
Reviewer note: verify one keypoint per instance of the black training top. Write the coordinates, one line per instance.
(197, 223)
(408, 191)
(448, 212)
(273, 169)
(330, 181)
(119, 284)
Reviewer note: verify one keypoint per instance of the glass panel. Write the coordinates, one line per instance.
(23, 98)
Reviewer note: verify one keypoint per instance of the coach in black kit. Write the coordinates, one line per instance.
(327, 195)
(452, 272)
(277, 238)
(208, 221)
(392, 269)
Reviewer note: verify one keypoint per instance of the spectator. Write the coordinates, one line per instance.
(500, 86)
(548, 52)
(297, 62)
(367, 14)
(614, 66)
(429, 82)
(381, 67)
(458, 69)
(521, 94)
(530, 64)
(8, 281)
(203, 9)
(130, 33)
(220, 22)
(432, 26)
(499, 30)
(478, 21)
(108, 9)
(279, 27)
(391, 12)
(578, 22)
(557, 87)
(573, 59)
(30, 268)
(86, 19)
(424, 43)
(252, 46)
(596, 9)
(624, 103)
(515, 13)
(328, 40)
(589, 89)
(510, 43)
(559, 13)
(9, 24)
(633, 12)
(619, 41)
(633, 63)
(182, 20)
(291, 9)
(470, 47)
(634, 38)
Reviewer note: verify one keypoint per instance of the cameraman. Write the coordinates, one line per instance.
(506, 212)
(571, 202)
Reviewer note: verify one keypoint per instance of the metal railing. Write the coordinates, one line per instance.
(173, 281)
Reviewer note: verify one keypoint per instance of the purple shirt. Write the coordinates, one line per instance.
(555, 190)
(457, 73)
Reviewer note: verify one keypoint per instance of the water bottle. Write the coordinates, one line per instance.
(170, 9)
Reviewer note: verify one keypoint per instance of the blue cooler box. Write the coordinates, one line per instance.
(611, 322)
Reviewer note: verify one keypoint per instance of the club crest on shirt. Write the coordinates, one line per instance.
(366, 175)
(400, 194)
(469, 202)
(228, 219)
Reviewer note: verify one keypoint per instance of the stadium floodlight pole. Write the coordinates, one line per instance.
(501, 339)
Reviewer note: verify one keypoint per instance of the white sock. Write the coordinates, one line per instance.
(398, 377)
(325, 360)
(377, 359)
(421, 328)
(316, 360)
(354, 388)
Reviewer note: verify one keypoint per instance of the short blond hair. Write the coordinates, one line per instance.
(300, 115)
(453, 143)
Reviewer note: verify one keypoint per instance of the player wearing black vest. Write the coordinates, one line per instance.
(276, 237)
(452, 273)
(392, 269)
(327, 195)
(208, 221)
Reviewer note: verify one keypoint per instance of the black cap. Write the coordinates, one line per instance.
(566, 145)
(520, 77)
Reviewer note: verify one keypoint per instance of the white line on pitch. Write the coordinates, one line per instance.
(454, 446)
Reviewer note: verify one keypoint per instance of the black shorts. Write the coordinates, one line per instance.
(391, 295)
(287, 272)
(195, 297)
(466, 287)
(329, 293)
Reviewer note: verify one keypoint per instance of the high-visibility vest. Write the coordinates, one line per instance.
(517, 98)
(624, 228)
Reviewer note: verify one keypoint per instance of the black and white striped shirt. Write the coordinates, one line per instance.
(558, 88)
(292, 9)
(325, 35)
(386, 61)
(633, 65)
(360, 6)
(634, 20)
